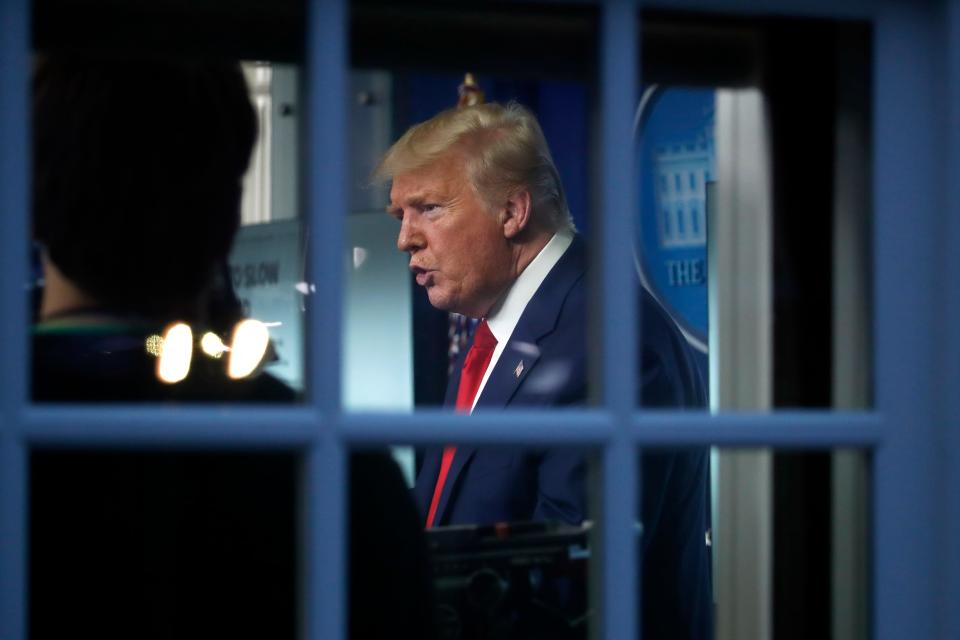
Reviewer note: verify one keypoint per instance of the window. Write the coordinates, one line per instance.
(912, 346)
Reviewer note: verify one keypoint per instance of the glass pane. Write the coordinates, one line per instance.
(157, 545)
(791, 539)
(417, 290)
(473, 573)
(738, 543)
(754, 205)
(169, 254)
(268, 259)
(734, 544)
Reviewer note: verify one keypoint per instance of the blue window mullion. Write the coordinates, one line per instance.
(14, 184)
(327, 86)
(323, 482)
(231, 427)
(806, 429)
(13, 543)
(14, 200)
(908, 195)
(324, 596)
(951, 326)
(567, 427)
(619, 324)
(848, 9)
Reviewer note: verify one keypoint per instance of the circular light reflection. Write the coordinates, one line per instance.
(249, 345)
(175, 353)
(212, 345)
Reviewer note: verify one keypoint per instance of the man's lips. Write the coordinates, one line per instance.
(424, 276)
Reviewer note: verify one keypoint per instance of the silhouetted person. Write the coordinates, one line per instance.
(138, 166)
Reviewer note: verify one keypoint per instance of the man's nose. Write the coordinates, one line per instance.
(409, 239)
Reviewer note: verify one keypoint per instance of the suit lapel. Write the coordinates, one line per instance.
(427, 479)
(460, 460)
(519, 357)
(538, 320)
(433, 456)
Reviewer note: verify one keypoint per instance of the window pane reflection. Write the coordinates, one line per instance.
(160, 275)
(396, 318)
(791, 543)
(734, 543)
(163, 545)
(754, 204)
(483, 568)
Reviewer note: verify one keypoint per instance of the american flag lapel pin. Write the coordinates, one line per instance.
(519, 369)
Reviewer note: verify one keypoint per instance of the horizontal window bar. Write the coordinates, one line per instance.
(122, 426)
(514, 427)
(295, 427)
(863, 9)
(813, 429)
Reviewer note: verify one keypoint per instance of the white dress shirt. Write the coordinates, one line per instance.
(506, 314)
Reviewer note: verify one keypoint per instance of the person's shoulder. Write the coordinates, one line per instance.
(113, 365)
(209, 383)
(670, 373)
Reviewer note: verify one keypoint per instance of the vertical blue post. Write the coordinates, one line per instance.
(909, 179)
(324, 479)
(13, 547)
(950, 324)
(618, 548)
(14, 181)
(324, 594)
(327, 203)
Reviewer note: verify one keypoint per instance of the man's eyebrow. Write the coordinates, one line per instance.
(417, 200)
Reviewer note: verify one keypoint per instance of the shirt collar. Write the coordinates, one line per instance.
(505, 315)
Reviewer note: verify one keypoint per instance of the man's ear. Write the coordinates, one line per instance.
(517, 212)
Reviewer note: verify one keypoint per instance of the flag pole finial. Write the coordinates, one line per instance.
(469, 92)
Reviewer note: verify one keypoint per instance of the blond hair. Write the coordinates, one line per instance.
(504, 150)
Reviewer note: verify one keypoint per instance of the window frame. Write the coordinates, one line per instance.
(912, 431)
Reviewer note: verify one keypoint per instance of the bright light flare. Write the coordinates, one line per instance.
(154, 345)
(212, 345)
(249, 345)
(175, 353)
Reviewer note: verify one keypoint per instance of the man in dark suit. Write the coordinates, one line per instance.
(484, 219)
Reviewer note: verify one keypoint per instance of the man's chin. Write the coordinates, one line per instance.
(442, 302)
(439, 301)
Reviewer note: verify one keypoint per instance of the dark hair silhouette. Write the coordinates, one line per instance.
(138, 165)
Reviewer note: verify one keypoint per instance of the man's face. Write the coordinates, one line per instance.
(456, 242)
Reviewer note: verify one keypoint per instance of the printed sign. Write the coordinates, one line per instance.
(267, 270)
(677, 161)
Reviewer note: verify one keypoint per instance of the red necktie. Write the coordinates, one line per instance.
(474, 366)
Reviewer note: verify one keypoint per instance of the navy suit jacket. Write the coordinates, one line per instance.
(544, 364)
